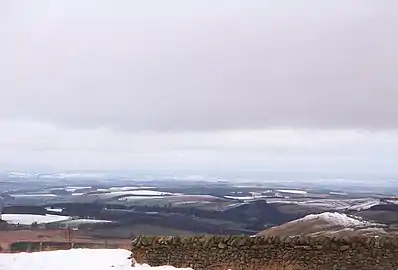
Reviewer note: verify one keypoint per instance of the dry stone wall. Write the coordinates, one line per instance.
(268, 253)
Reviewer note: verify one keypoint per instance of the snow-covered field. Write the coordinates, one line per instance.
(125, 188)
(33, 195)
(77, 222)
(141, 192)
(245, 198)
(136, 198)
(58, 210)
(292, 191)
(73, 189)
(76, 259)
(28, 219)
(175, 199)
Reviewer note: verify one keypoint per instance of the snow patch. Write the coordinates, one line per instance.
(73, 189)
(245, 198)
(77, 259)
(392, 201)
(28, 219)
(338, 193)
(292, 191)
(332, 204)
(135, 193)
(143, 193)
(85, 221)
(21, 175)
(134, 198)
(32, 195)
(71, 175)
(58, 210)
(337, 219)
(125, 188)
(365, 205)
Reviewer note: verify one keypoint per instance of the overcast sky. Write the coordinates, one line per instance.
(255, 84)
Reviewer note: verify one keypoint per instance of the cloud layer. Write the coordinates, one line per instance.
(200, 65)
(286, 85)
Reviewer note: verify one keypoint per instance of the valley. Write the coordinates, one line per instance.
(118, 210)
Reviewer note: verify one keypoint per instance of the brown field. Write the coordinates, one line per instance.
(9, 237)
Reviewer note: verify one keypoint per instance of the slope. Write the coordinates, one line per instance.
(325, 223)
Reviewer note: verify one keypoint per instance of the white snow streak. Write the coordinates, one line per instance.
(292, 191)
(28, 219)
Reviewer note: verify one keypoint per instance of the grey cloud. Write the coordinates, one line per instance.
(175, 65)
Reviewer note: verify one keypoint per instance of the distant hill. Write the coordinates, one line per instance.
(326, 223)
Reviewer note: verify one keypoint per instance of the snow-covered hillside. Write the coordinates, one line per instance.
(325, 223)
(76, 259)
(336, 219)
